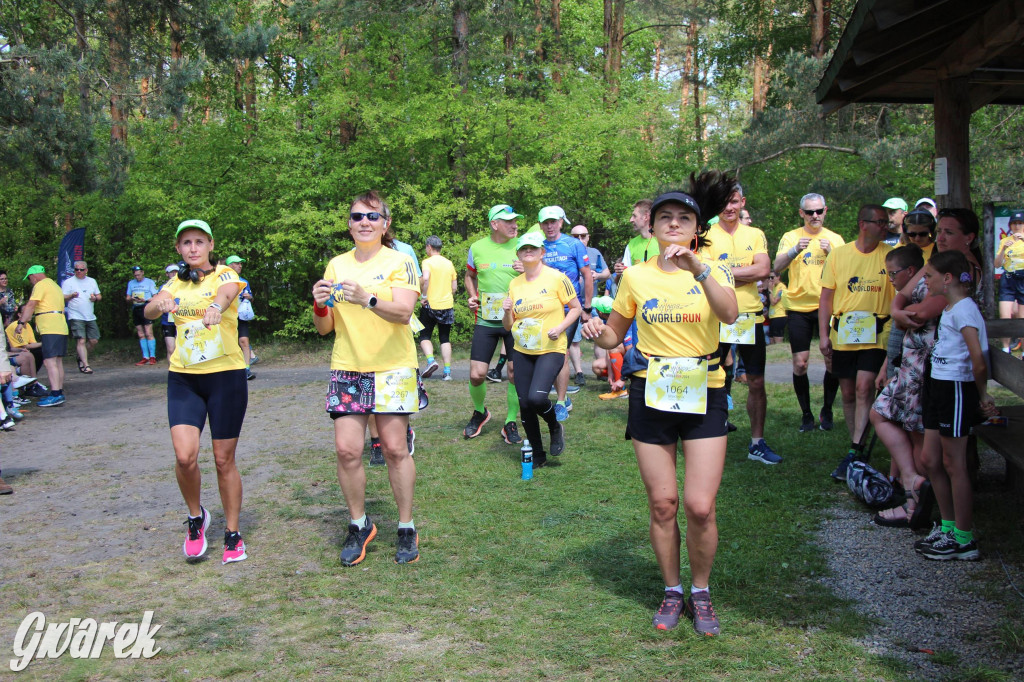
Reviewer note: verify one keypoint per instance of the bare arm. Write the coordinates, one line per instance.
(162, 303)
(607, 335)
(980, 369)
(756, 271)
(472, 291)
(825, 320)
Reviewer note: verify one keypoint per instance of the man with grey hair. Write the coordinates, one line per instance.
(803, 252)
(80, 295)
(438, 285)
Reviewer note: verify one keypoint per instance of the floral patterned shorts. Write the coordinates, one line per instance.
(353, 393)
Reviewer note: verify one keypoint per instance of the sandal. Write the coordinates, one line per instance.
(896, 517)
(85, 369)
(922, 498)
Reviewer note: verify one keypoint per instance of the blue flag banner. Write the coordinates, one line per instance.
(72, 248)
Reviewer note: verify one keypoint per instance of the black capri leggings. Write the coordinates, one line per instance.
(534, 376)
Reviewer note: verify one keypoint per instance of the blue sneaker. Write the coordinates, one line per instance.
(568, 404)
(561, 413)
(572, 388)
(762, 453)
(51, 401)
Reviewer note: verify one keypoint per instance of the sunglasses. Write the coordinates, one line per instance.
(814, 211)
(917, 235)
(892, 273)
(371, 216)
(80, 269)
(581, 236)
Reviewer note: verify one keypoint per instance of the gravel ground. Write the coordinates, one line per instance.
(920, 604)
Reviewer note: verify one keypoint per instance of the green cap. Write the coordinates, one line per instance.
(535, 239)
(35, 270)
(551, 213)
(895, 203)
(602, 304)
(234, 259)
(194, 224)
(502, 212)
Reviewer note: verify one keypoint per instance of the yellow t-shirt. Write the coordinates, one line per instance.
(20, 340)
(737, 250)
(1014, 259)
(779, 309)
(439, 286)
(363, 341)
(805, 271)
(193, 341)
(49, 311)
(860, 284)
(539, 307)
(675, 318)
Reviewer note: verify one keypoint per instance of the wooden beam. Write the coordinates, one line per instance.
(983, 95)
(952, 139)
(998, 329)
(988, 269)
(997, 30)
(1007, 369)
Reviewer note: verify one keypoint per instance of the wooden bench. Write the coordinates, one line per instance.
(1008, 370)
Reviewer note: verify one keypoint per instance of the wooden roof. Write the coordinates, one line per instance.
(895, 51)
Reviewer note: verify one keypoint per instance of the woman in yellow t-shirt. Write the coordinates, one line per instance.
(366, 298)
(535, 314)
(207, 380)
(678, 302)
(1011, 285)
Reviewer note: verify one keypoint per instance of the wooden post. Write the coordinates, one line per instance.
(952, 138)
(988, 236)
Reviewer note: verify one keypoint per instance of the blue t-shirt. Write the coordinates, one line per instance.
(140, 292)
(245, 289)
(402, 247)
(598, 264)
(567, 255)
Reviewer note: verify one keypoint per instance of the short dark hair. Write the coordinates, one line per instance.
(434, 242)
(909, 256)
(867, 211)
(644, 204)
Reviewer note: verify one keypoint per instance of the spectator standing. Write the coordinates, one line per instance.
(47, 305)
(896, 208)
(643, 246)
(140, 290)
(1011, 285)
(928, 205)
(803, 252)
(244, 311)
(81, 293)
(8, 301)
(437, 306)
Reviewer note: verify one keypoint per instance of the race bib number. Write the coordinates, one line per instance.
(396, 391)
(527, 331)
(416, 325)
(490, 307)
(198, 344)
(138, 297)
(677, 385)
(741, 331)
(857, 327)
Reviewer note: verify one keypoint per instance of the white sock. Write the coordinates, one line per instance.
(360, 522)
(694, 588)
(407, 524)
(675, 588)
(755, 441)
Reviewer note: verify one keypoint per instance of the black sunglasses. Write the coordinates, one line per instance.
(80, 269)
(372, 216)
(813, 211)
(916, 235)
(892, 273)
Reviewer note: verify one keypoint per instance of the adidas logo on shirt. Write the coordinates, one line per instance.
(695, 291)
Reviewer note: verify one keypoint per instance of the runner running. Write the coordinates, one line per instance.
(490, 265)
(678, 302)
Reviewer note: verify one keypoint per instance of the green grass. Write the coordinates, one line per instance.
(549, 578)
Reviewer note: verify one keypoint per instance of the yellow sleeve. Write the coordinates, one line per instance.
(785, 244)
(624, 304)
(828, 272)
(403, 276)
(566, 291)
(762, 246)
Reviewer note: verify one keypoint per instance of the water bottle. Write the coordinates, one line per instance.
(527, 460)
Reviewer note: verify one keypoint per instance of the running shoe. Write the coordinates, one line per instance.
(253, 359)
(51, 401)
(15, 413)
(730, 427)
(447, 376)
(7, 424)
(195, 542)
(580, 379)
(152, 361)
(234, 548)
(561, 412)
(494, 375)
(143, 361)
(572, 388)
(539, 461)
(376, 453)
(667, 615)
(510, 433)
(807, 424)
(568, 404)
(763, 453)
(407, 550)
(839, 474)
(476, 423)
(249, 374)
(947, 548)
(354, 549)
(934, 535)
(612, 395)
(431, 368)
(825, 422)
(21, 382)
(702, 613)
(557, 440)
(410, 440)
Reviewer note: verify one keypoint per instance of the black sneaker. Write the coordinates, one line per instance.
(408, 548)
(510, 434)
(494, 375)
(825, 422)
(934, 535)
(249, 374)
(376, 453)
(476, 423)
(354, 549)
(580, 379)
(839, 473)
(807, 424)
(557, 441)
(539, 460)
(947, 548)
(730, 426)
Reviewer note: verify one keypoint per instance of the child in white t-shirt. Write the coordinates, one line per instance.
(955, 394)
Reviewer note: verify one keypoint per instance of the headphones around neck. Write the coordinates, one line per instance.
(187, 274)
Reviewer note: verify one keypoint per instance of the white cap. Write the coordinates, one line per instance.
(925, 200)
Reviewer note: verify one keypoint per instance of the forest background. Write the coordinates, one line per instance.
(264, 118)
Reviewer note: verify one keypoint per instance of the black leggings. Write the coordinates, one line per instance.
(534, 376)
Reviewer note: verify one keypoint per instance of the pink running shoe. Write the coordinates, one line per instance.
(195, 541)
(234, 548)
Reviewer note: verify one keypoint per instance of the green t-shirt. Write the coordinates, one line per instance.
(492, 264)
(640, 249)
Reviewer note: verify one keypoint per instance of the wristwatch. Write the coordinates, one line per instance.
(588, 309)
(372, 302)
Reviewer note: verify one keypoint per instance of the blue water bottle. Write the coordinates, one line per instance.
(527, 460)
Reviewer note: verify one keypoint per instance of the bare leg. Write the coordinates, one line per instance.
(705, 460)
(229, 481)
(757, 404)
(401, 467)
(657, 464)
(185, 440)
(348, 444)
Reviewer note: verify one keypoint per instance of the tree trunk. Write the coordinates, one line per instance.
(177, 55)
(820, 17)
(657, 60)
(460, 71)
(614, 19)
(83, 82)
(118, 44)
(556, 39)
